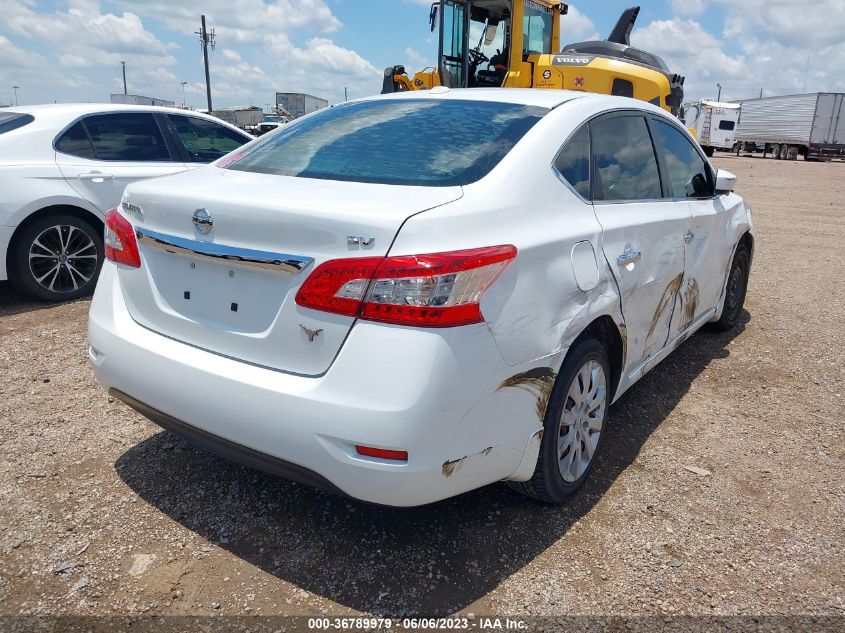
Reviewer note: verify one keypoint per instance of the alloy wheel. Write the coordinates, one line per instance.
(62, 258)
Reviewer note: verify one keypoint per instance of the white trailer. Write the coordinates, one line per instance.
(241, 116)
(299, 104)
(714, 123)
(811, 125)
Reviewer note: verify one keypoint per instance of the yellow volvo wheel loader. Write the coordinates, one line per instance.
(516, 44)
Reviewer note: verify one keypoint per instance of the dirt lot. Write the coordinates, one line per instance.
(105, 514)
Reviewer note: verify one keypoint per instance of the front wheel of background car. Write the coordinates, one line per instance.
(708, 151)
(573, 426)
(57, 258)
(736, 289)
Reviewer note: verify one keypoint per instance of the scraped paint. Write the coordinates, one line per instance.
(539, 382)
(450, 467)
(666, 301)
(691, 298)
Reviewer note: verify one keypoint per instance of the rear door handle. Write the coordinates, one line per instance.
(629, 257)
(96, 176)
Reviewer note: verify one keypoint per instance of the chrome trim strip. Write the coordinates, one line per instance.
(281, 262)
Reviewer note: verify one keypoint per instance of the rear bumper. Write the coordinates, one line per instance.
(226, 449)
(432, 393)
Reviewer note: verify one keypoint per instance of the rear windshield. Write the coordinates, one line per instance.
(398, 142)
(13, 120)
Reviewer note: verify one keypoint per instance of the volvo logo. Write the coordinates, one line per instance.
(202, 221)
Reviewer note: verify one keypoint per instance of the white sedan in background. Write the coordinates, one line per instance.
(62, 167)
(406, 321)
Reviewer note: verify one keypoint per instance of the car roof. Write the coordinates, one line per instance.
(76, 109)
(523, 96)
(67, 112)
(545, 98)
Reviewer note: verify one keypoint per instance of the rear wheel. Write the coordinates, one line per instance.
(708, 151)
(736, 289)
(57, 258)
(573, 426)
(784, 152)
(776, 151)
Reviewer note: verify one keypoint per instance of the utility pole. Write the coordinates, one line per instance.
(15, 88)
(183, 93)
(806, 69)
(206, 39)
(719, 86)
(124, 78)
(345, 94)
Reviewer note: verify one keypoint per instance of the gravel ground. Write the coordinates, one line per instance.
(105, 514)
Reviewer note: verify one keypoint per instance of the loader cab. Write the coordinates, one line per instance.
(478, 40)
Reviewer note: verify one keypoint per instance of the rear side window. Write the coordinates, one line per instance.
(395, 141)
(573, 162)
(726, 125)
(127, 136)
(205, 141)
(75, 142)
(13, 120)
(689, 176)
(624, 165)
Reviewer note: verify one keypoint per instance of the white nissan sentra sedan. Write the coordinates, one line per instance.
(410, 296)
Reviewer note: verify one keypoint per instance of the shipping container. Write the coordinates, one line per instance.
(811, 125)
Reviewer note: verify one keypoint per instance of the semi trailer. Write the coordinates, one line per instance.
(810, 125)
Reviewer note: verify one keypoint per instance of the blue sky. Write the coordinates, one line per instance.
(70, 50)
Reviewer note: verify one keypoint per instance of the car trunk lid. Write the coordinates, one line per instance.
(227, 282)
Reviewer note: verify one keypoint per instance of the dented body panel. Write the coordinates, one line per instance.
(467, 403)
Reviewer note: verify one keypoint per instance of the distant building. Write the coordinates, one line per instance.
(141, 100)
(299, 104)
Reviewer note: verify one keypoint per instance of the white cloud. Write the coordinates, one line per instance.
(576, 27)
(750, 56)
(687, 7)
(242, 20)
(416, 61)
(15, 57)
(820, 23)
(84, 27)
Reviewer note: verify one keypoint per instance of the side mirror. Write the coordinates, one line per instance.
(725, 182)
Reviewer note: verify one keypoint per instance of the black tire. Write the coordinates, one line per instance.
(56, 258)
(736, 289)
(776, 151)
(784, 152)
(708, 151)
(548, 484)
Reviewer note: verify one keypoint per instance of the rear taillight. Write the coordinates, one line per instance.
(120, 242)
(436, 290)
